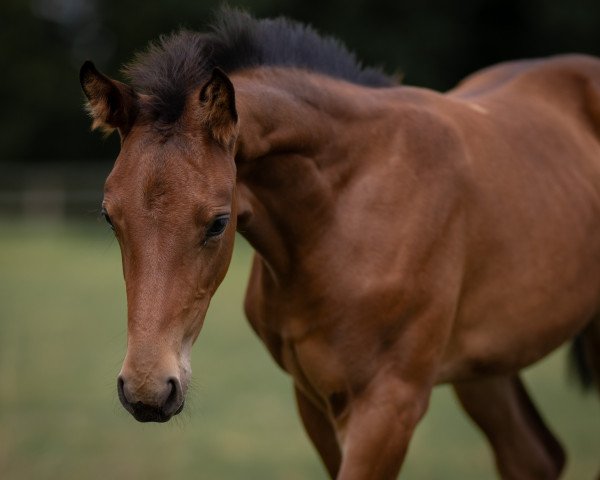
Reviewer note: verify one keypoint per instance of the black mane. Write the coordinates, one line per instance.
(179, 62)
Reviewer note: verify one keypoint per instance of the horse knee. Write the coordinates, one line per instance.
(375, 433)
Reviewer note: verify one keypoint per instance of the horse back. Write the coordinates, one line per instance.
(568, 82)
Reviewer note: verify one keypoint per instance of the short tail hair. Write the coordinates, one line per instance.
(579, 363)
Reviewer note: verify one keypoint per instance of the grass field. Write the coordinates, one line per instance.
(62, 339)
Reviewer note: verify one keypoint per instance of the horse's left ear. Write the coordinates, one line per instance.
(219, 115)
(111, 104)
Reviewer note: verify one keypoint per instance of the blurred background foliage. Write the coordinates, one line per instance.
(434, 43)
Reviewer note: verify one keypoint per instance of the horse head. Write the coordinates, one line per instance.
(170, 200)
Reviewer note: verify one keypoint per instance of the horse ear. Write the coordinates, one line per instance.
(111, 104)
(219, 115)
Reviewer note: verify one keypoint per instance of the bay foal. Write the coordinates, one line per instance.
(404, 238)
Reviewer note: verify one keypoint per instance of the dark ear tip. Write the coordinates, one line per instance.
(87, 68)
(88, 65)
(220, 74)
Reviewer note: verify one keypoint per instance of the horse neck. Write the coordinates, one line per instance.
(294, 154)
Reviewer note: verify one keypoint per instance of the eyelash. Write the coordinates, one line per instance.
(107, 219)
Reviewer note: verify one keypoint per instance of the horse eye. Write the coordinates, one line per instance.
(107, 218)
(217, 227)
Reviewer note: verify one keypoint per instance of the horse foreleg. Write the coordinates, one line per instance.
(376, 429)
(321, 433)
(523, 445)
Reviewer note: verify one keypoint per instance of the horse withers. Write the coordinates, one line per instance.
(404, 238)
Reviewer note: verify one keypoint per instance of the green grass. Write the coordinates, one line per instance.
(62, 340)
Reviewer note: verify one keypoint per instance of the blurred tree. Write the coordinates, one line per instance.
(434, 43)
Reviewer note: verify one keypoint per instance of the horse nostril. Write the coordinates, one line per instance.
(174, 401)
(120, 383)
(121, 392)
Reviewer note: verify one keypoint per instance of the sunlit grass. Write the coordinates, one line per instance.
(62, 340)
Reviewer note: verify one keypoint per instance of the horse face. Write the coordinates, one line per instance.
(171, 201)
(173, 213)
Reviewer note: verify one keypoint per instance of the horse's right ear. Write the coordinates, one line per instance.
(111, 104)
(219, 115)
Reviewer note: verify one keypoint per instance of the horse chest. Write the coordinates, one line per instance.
(297, 339)
(283, 330)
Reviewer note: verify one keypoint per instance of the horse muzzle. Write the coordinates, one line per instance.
(156, 405)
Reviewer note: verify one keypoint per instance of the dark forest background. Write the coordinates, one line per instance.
(433, 43)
